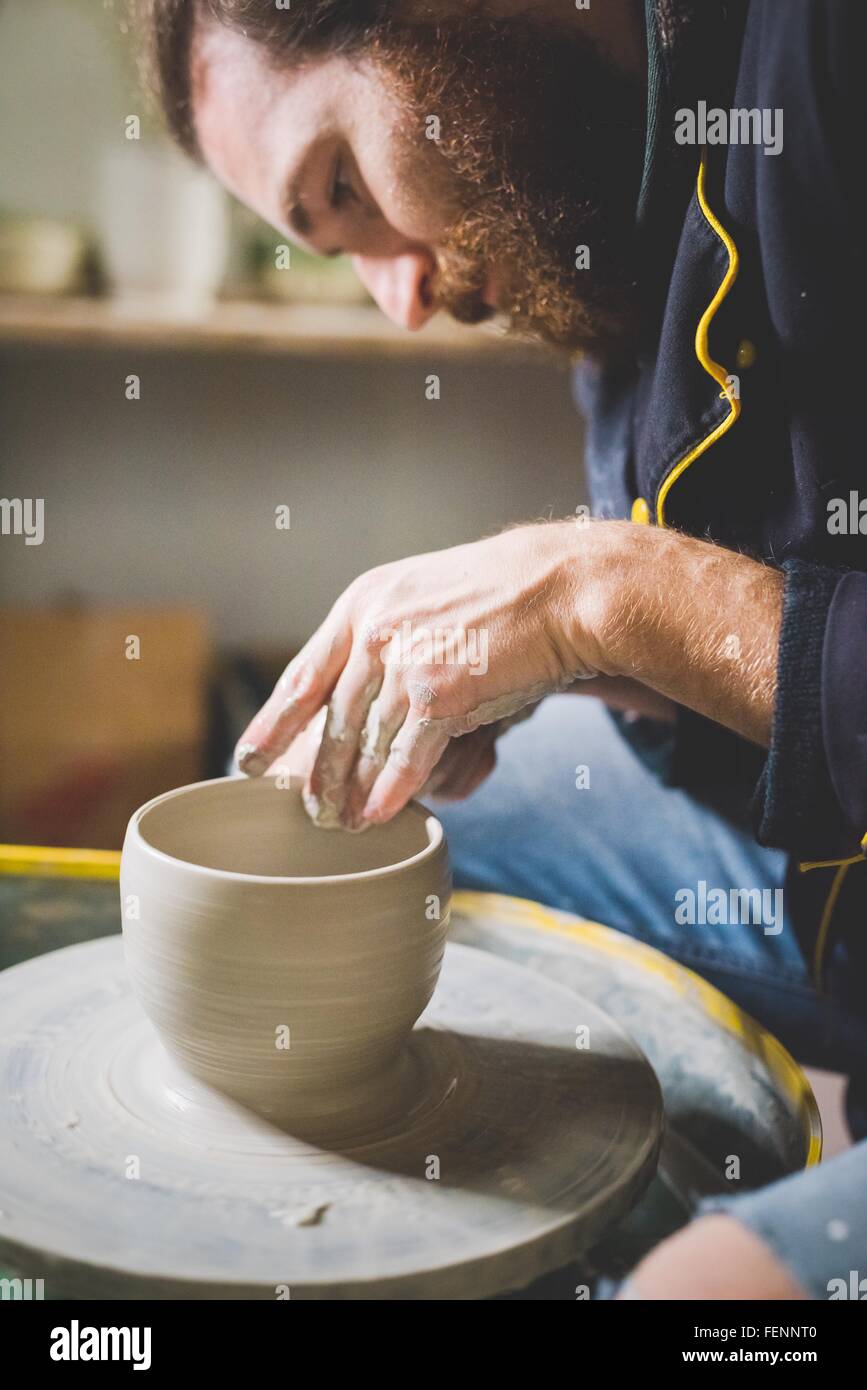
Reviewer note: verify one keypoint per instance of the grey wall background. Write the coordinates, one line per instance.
(171, 499)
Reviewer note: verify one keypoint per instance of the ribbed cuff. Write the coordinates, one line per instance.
(794, 805)
(844, 698)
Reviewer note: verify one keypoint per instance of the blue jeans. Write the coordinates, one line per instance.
(574, 818)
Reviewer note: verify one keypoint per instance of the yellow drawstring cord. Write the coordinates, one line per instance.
(842, 866)
(702, 348)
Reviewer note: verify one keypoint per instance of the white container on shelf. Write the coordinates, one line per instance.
(163, 229)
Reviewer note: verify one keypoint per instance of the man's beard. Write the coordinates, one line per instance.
(541, 145)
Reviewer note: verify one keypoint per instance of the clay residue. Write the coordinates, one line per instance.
(303, 1216)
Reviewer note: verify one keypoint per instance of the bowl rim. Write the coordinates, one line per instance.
(433, 827)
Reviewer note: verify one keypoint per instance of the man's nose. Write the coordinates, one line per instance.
(402, 285)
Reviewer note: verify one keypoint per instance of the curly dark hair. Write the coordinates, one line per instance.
(308, 28)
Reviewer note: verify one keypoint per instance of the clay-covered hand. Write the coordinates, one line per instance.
(422, 651)
(467, 761)
(463, 766)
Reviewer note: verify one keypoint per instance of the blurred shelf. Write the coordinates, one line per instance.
(303, 330)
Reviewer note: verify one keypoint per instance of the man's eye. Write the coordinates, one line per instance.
(341, 191)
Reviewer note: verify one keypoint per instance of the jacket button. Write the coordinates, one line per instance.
(746, 354)
(640, 512)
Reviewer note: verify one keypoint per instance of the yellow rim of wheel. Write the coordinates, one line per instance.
(778, 1060)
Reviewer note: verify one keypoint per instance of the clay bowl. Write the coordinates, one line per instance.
(282, 964)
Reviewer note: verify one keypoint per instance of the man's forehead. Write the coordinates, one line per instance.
(226, 66)
(253, 122)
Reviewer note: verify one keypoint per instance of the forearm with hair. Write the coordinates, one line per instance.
(688, 618)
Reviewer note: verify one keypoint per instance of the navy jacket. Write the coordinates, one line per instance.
(741, 419)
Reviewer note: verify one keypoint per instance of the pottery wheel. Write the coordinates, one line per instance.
(121, 1176)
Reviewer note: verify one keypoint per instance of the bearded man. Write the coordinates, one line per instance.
(540, 161)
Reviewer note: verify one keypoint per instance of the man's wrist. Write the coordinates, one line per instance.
(695, 621)
(602, 596)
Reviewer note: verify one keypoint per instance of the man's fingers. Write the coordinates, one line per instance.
(449, 770)
(352, 697)
(302, 689)
(385, 718)
(465, 764)
(472, 776)
(414, 753)
(301, 753)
